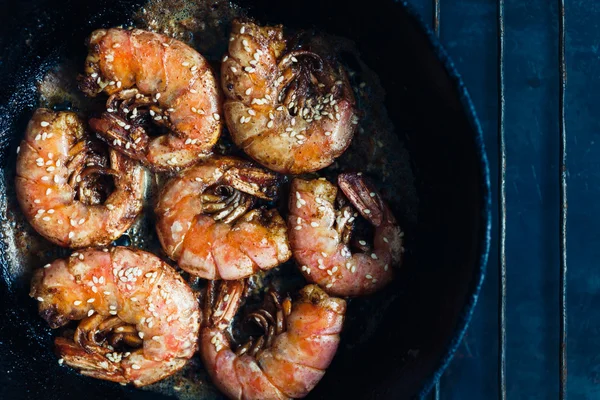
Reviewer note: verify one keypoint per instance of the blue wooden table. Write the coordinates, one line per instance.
(469, 31)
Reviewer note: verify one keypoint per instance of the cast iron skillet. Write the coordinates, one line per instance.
(431, 111)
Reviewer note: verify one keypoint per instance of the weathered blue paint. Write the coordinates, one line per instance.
(469, 33)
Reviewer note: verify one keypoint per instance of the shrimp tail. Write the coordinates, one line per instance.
(363, 196)
(110, 129)
(255, 181)
(88, 363)
(223, 300)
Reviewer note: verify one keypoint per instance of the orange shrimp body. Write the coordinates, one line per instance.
(150, 77)
(59, 183)
(205, 220)
(319, 236)
(293, 111)
(122, 297)
(288, 361)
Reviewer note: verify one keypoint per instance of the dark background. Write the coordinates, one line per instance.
(468, 31)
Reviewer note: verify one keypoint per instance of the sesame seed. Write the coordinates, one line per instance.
(61, 361)
(270, 124)
(71, 234)
(353, 269)
(135, 366)
(112, 312)
(233, 69)
(40, 299)
(374, 256)
(91, 300)
(44, 124)
(157, 96)
(386, 239)
(385, 267)
(328, 133)
(47, 266)
(298, 227)
(48, 191)
(225, 58)
(185, 64)
(367, 211)
(90, 313)
(329, 285)
(216, 116)
(46, 218)
(368, 276)
(77, 302)
(314, 224)
(329, 272)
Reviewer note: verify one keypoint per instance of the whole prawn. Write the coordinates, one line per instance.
(152, 78)
(300, 341)
(139, 319)
(291, 110)
(320, 235)
(62, 185)
(205, 220)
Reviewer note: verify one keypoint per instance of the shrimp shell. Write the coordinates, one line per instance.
(320, 245)
(169, 80)
(49, 155)
(284, 113)
(293, 361)
(139, 289)
(236, 241)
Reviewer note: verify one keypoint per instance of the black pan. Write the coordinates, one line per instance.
(397, 343)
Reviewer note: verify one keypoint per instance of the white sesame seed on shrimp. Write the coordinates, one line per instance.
(164, 81)
(104, 305)
(54, 189)
(325, 240)
(261, 77)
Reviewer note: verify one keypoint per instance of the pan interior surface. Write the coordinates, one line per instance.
(396, 341)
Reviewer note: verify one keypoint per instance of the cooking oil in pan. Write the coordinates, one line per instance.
(377, 150)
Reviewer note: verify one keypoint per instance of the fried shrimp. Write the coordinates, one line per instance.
(292, 110)
(139, 321)
(151, 78)
(207, 223)
(65, 183)
(320, 236)
(300, 340)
